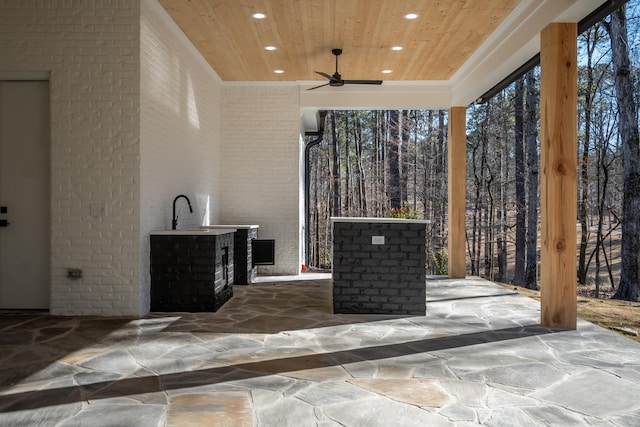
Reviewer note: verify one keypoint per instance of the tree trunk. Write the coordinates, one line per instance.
(362, 196)
(348, 203)
(488, 240)
(414, 127)
(584, 164)
(602, 185)
(440, 181)
(326, 250)
(427, 186)
(404, 154)
(380, 162)
(377, 165)
(393, 144)
(335, 169)
(628, 129)
(474, 225)
(501, 213)
(520, 185)
(479, 171)
(531, 120)
(500, 220)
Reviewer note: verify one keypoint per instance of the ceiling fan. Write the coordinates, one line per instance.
(336, 78)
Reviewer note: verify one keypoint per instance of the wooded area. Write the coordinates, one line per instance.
(394, 163)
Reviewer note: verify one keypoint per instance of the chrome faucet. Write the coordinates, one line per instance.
(174, 221)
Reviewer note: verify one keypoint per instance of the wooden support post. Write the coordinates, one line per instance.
(457, 161)
(558, 110)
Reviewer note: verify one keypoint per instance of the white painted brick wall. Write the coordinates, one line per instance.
(260, 172)
(180, 132)
(91, 49)
(137, 117)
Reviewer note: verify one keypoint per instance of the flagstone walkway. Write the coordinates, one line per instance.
(276, 355)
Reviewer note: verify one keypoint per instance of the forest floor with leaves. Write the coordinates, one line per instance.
(622, 317)
(619, 316)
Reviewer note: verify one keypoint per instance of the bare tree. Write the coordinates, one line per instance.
(404, 153)
(348, 175)
(520, 184)
(393, 144)
(604, 133)
(590, 40)
(531, 138)
(628, 129)
(501, 205)
(360, 173)
(335, 169)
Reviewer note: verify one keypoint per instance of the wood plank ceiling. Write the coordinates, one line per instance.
(435, 44)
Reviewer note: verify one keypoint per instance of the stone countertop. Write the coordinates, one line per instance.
(381, 220)
(239, 227)
(194, 232)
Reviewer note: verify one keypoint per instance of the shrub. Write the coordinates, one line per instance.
(405, 212)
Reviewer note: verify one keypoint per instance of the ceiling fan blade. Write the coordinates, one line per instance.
(316, 87)
(362, 82)
(326, 76)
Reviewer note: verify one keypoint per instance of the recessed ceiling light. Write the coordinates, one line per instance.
(270, 48)
(258, 15)
(278, 71)
(411, 16)
(387, 71)
(397, 48)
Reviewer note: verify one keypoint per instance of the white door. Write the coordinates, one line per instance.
(24, 195)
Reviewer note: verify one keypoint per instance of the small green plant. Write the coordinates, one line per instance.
(405, 212)
(439, 263)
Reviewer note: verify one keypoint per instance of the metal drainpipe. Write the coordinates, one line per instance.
(319, 134)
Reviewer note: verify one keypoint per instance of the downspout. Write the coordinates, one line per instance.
(319, 134)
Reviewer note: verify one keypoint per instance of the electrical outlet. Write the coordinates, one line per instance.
(74, 273)
(377, 240)
(97, 209)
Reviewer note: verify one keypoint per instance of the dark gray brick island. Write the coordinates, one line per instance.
(379, 266)
(191, 270)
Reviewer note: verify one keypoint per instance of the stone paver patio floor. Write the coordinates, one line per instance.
(276, 355)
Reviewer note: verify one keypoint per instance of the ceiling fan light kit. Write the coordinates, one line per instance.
(336, 79)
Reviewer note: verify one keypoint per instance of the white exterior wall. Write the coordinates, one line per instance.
(180, 132)
(138, 117)
(260, 171)
(91, 50)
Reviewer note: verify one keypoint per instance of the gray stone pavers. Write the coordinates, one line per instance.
(595, 393)
(276, 355)
(148, 415)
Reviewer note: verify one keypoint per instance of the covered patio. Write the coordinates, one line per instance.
(277, 355)
(151, 118)
(164, 108)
